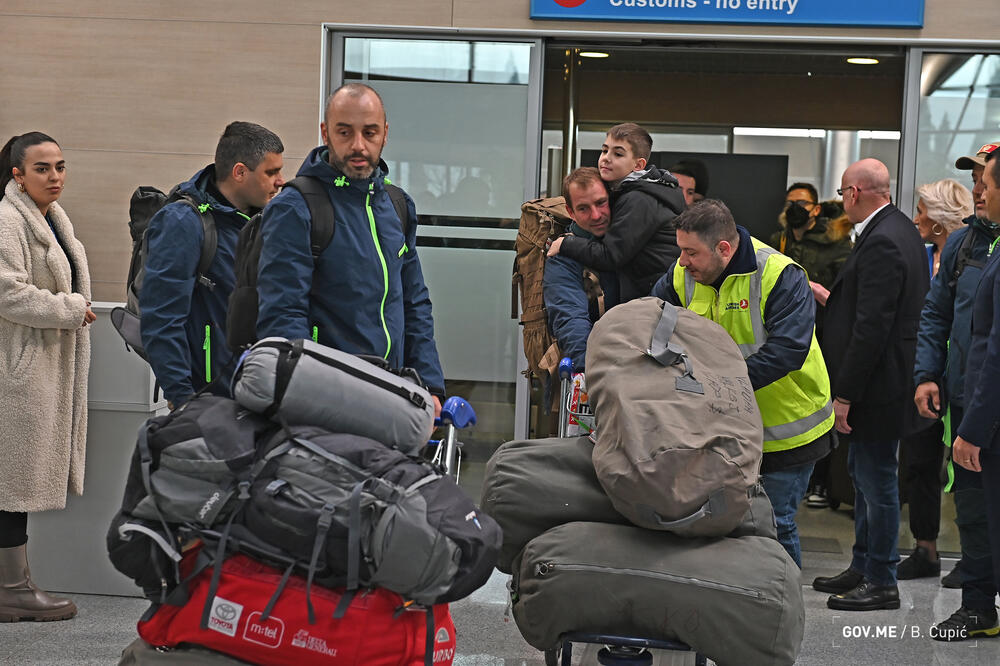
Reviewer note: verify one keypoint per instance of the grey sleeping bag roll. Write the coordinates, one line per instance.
(306, 383)
(736, 601)
(534, 485)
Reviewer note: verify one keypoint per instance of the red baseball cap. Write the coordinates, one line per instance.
(967, 162)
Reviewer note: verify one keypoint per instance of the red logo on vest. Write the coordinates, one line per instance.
(570, 3)
(744, 304)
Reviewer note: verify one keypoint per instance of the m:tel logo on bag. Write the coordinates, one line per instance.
(225, 616)
(267, 633)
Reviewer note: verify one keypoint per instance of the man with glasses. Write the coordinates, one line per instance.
(869, 344)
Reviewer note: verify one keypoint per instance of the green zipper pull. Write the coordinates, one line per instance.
(207, 346)
(340, 181)
(203, 208)
(315, 335)
(403, 250)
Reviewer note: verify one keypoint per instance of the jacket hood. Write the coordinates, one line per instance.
(658, 183)
(317, 164)
(991, 229)
(197, 189)
(577, 230)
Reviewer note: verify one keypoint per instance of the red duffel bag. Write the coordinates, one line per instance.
(374, 631)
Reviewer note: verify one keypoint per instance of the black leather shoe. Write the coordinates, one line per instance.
(845, 581)
(866, 596)
(918, 565)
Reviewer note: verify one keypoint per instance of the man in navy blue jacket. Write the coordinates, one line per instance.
(977, 447)
(942, 349)
(183, 319)
(571, 311)
(365, 293)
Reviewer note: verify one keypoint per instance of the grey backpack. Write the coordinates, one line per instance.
(679, 433)
(362, 514)
(301, 382)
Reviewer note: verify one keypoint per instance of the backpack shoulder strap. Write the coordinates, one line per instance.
(210, 242)
(964, 257)
(398, 198)
(320, 210)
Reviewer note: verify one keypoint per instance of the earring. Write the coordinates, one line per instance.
(940, 229)
(20, 186)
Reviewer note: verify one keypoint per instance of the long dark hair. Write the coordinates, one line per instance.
(13, 152)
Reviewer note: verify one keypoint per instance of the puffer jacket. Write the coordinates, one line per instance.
(641, 242)
(946, 319)
(366, 292)
(183, 321)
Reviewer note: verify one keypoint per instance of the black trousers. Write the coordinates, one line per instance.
(920, 457)
(13, 529)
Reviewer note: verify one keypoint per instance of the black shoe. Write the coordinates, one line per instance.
(866, 596)
(918, 565)
(966, 623)
(817, 499)
(845, 581)
(953, 580)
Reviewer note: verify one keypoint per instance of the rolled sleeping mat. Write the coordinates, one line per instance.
(305, 383)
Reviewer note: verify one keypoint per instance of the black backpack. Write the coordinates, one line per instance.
(241, 318)
(146, 201)
(964, 258)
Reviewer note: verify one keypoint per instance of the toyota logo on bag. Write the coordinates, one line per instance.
(225, 612)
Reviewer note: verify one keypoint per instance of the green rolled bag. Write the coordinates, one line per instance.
(737, 601)
(534, 485)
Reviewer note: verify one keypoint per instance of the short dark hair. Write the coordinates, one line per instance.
(804, 186)
(244, 142)
(635, 136)
(694, 168)
(354, 89)
(13, 152)
(710, 220)
(581, 177)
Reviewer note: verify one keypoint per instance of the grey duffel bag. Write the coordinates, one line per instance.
(534, 485)
(679, 434)
(736, 601)
(141, 653)
(305, 383)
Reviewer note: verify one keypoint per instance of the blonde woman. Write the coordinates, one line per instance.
(44, 361)
(941, 209)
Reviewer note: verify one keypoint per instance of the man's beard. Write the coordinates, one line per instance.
(350, 171)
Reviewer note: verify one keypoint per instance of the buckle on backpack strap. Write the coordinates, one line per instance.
(206, 282)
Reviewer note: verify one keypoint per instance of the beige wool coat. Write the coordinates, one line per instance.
(44, 357)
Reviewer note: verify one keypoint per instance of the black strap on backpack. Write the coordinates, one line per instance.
(964, 257)
(321, 210)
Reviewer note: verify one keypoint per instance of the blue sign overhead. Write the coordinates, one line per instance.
(860, 13)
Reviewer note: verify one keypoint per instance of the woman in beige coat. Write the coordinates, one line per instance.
(44, 361)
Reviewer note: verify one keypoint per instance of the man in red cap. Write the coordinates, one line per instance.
(942, 349)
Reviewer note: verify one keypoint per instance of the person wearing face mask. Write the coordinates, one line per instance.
(44, 362)
(814, 241)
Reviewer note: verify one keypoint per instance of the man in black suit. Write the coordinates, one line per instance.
(869, 341)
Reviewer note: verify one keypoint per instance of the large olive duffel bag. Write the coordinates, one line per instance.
(679, 434)
(736, 601)
(534, 485)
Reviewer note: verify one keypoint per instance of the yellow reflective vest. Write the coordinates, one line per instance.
(796, 409)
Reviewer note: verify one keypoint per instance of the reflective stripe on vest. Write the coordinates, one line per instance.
(789, 404)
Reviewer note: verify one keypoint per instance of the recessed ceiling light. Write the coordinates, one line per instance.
(593, 54)
(863, 61)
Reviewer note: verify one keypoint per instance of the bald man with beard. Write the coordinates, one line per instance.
(869, 342)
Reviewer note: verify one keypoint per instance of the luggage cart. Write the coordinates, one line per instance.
(617, 650)
(583, 414)
(456, 414)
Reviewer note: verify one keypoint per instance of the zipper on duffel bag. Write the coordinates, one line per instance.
(543, 569)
